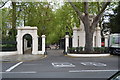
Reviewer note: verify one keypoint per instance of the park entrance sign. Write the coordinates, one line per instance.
(32, 31)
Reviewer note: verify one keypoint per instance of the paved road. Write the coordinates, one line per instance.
(56, 65)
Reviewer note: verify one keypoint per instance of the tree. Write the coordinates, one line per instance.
(89, 28)
(114, 23)
(40, 15)
(5, 21)
(14, 18)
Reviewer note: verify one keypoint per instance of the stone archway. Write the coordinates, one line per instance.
(27, 44)
(27, 30)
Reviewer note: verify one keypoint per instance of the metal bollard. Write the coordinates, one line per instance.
(45, 53)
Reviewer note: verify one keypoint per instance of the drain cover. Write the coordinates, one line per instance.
(93, 64)
(63, 64)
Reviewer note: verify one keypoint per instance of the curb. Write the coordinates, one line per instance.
(8, 53)
(88, 55)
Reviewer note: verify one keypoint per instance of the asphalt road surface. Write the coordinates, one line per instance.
(56, 65)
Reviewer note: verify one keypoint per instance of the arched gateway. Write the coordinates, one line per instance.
(32, 31)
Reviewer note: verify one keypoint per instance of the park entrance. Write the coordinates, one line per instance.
(27, 38)
(27, 44)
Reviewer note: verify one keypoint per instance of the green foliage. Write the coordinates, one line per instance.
(40, 15)
(115, 20)
(50, 22)
(99, 49)
(75, 49)
(7, 38)
(7, 45)
(80, 50)
(72, 50)
(4, 17)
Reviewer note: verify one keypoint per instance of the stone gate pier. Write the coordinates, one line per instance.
(21, 43)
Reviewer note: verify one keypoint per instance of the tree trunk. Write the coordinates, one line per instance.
(89, 28)
(88, 34)
(14, 19)
(89, 41)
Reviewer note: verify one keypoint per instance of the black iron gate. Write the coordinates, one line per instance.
(70, 42)
(39, 44)
(62, 43)
(8, 45)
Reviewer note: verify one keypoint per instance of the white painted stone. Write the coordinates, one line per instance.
(25, 44)
(80, 33)
(40, 52)
(23, 31)
(75, 37)
(88, 55)
(94, 40)
(66, 43)
(98, 37)
(106, 40)
(43, 44)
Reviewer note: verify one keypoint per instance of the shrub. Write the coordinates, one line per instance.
(106, 50)
(80, 50)
(99, 49)
(7, 45)
(75, 49)
(71, 50)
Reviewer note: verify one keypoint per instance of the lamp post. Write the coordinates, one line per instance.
(43, 28)
(67, 33)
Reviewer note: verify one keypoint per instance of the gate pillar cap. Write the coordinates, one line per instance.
(66, 36)
(43, 36)
(27, 28)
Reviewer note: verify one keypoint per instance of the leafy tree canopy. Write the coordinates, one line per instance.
(115, 20)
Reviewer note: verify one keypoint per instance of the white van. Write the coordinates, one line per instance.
(114, 43)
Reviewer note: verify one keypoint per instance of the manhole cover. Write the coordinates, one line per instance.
(63, 64)
(93, 64)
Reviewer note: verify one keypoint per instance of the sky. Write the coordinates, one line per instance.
(7, 4)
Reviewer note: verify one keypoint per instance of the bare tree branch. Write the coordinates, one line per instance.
(103, 8)
(86, 6)
(98, 6)
(4, 4)
(97, 18)
(77, 10)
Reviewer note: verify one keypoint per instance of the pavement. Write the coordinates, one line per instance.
(28, 56)
(18, 57)
(56, 65)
